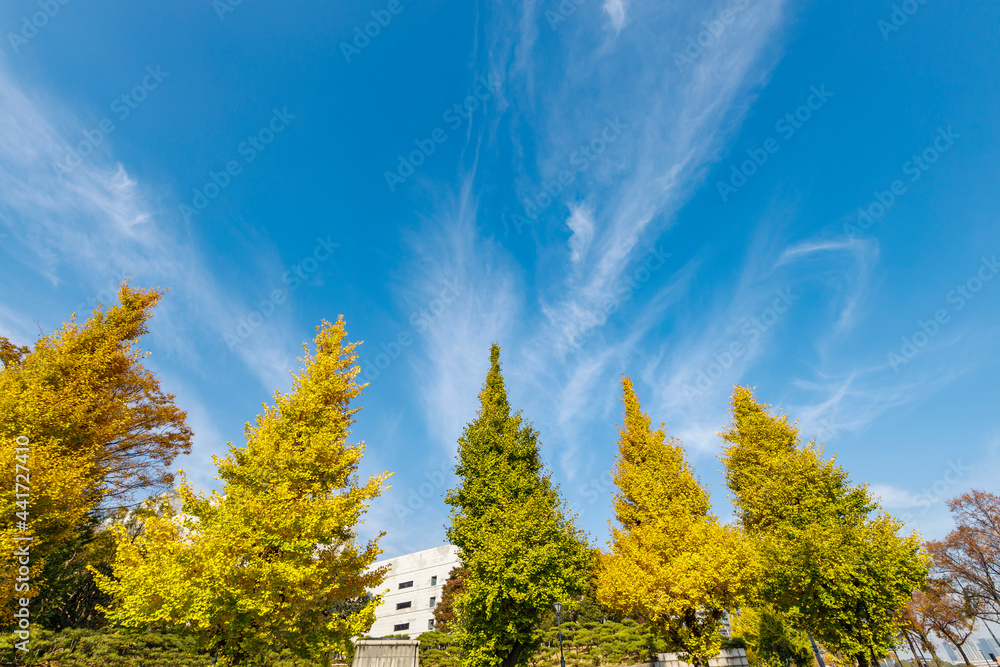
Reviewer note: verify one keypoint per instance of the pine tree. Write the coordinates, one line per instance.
(835, 563)
(521, 551)
(272, 562)
(771, 640)
(671, 561)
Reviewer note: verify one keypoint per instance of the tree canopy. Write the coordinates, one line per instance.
(835, 564)
(100, 431)
(518, 544)
(272, 561)
(969, 555)
(671, 560)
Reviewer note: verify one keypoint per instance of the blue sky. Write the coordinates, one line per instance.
(675, 191)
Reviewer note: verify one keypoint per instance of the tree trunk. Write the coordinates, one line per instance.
(962, 651)
(913, 650)
(923, 658)
(934, 654)
(511, 659)
(929, 645)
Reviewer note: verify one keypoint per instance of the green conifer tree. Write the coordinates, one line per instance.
(521, 549)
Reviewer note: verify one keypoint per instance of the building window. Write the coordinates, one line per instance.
(434, 581)
(406, 584)
(433, 601)
(403, 605)
(430, 624)
(400, 626)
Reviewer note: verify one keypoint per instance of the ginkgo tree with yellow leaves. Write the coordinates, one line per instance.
(836, 564)
(671, 562)
(100, 431)
(272, 561)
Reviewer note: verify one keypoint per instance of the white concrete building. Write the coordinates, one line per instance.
(414, 582)
(989, 647)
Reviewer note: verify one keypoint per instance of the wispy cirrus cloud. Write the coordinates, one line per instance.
(77, 232)
(615, 10)
(565, 86)
(78, 228)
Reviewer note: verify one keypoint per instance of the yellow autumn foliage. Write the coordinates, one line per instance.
(98, 427)
(271, 562)
(671, 560)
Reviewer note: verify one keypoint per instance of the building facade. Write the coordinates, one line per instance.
(989, 649)
(414, 584)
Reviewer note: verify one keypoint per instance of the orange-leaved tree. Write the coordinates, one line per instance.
(99, 431)
(970, 554)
